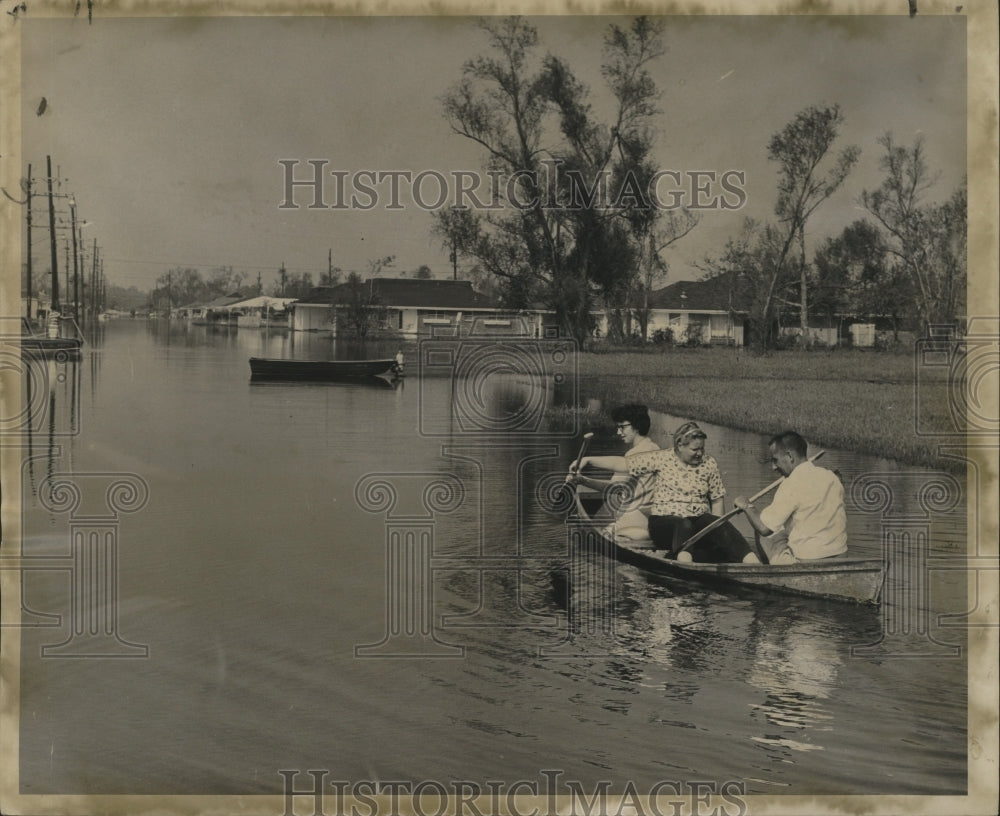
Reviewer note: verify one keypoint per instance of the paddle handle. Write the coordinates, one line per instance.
(583, 449)
(724, 518)
(566, 486)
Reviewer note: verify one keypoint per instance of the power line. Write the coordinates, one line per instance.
(215, 265)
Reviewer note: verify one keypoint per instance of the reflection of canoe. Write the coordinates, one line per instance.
(37, 344)
(379, 382)
(838, 579)
(271, 369)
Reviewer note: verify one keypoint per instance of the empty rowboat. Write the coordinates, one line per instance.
(319, 370)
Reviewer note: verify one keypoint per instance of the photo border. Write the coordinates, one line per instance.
(983, 149)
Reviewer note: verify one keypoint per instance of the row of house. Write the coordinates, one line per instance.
(413, 307)
(236, 310)
(708, 311)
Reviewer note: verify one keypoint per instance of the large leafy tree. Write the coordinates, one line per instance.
(224, 280)
(360, 306)
(293, 285)
(179, 287)
(559, 239)
(498, 104)
(854, 275)
(754, 263)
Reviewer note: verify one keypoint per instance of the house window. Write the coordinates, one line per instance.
(437, 318)
(393, 319)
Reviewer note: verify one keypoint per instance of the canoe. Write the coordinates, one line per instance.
(853, 580)
(280, 369)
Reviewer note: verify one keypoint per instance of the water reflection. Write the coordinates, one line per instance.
(796, 661)
(52, 398)
(693, 645)
(364, 383)
(272, 341)
(253, 526)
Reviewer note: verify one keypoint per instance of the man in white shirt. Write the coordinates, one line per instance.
(807, 519)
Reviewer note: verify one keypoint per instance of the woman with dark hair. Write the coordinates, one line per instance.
(632, 425)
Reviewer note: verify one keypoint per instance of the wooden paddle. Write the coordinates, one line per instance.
(579, 458)
(583, 449)
(724, 518)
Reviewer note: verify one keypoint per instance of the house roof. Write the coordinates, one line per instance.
(717, 294)
(217, 303)
(262, 302)
(408, 292)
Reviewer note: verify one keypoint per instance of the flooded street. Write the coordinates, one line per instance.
(262, 622)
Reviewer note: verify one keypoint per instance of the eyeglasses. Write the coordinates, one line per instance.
(621, 426)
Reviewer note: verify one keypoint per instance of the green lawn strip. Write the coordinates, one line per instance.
(732, 363)
(872, 418)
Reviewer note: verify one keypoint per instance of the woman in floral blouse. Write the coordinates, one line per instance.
(687, 496)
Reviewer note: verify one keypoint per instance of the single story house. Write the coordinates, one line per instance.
(212, 312)
(261, 311)
(411, 307)
(707, 311)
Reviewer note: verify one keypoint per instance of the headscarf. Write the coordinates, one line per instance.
(688, 431)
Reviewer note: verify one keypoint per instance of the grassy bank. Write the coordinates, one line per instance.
(854, 400)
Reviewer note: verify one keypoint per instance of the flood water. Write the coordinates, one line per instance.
(255, 614)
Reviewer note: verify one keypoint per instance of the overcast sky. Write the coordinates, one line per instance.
(170, 131)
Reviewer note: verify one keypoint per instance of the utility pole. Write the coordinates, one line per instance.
(29, 245)
(329, 267)
(169, 276)
(454, 259)
(67, 269)
(93, 285)
(284, 276)
(260, 289)
(76, 270)
(52, 237)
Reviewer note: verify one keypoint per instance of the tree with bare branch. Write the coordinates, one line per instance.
(928, 241)
(800, 149)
